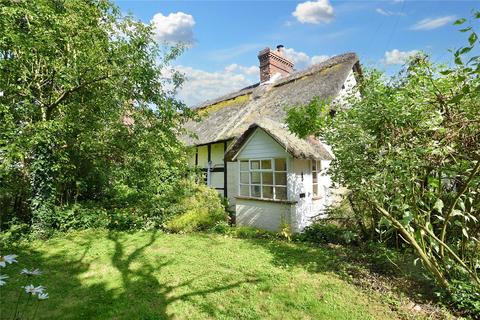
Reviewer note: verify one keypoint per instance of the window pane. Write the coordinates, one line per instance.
(244, 177)
(281, 178)
(244, 191)
(266, 164)
(319, 165)
(281, 193)
(267, 177)
(315, 190)
(255, 191)
(267, 192)
(314, 165)
(255, 177)
(255, 165)
(314, 177)
(243, 165)
(280, 165)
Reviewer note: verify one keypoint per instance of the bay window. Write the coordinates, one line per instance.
(263, 178)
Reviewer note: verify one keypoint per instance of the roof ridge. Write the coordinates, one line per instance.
(297, 74)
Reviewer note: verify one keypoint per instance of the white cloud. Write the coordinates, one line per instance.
(388, 13)
(201, 85)
(398, 57)
(320, 11)
(301, 60)
(253, 70)
(430, 24)
(174, 28)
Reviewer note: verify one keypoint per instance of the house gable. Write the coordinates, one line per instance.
(261, 145)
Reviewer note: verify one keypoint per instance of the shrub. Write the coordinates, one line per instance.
(199, 209)
(222, 227)
(79, 217)
(16, 231)
(328, 233)
(465, 298)
(126, 219)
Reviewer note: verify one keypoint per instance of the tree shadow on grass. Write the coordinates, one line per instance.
(80, 287)
(374, 267)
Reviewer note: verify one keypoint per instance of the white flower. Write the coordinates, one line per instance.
(34, 272)
(42, 296)
(7, 259)
(34, 290)
(2, 278)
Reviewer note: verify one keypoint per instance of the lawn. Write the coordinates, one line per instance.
(152, 275)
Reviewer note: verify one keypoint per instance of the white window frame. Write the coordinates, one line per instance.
(272, 170)
(318, 170)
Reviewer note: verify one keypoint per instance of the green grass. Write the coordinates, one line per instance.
(148, 275)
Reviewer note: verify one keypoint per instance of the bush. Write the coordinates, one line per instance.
(200, 208)
(328, 233)
(465, 298)
(79, 217)
(82, 216)
(15, 232)
(127, 219)
(222, 227)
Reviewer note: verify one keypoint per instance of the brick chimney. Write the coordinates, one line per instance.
(272, 62)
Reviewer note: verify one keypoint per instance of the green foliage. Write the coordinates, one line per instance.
(285, 231)
(408, 151)
(87, 111)
(15, 232)
(310, 118)
(465, 297)
(222, 227)
(200, 209)
(327, 233)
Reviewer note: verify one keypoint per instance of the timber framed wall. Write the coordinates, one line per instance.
(209, 158)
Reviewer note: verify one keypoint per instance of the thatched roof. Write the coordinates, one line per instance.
(228, 117)
(309, 148)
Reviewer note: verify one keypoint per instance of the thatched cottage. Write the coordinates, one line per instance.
(269, 175)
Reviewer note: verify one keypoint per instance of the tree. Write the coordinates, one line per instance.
(409, 152)
(87, 107)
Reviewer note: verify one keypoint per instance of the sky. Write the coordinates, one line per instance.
(223, 38)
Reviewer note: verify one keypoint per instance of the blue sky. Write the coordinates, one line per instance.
(224, 37)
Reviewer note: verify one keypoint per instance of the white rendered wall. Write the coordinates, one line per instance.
(216, 154)
(347, 90)
(261, 214)
(308, 208)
